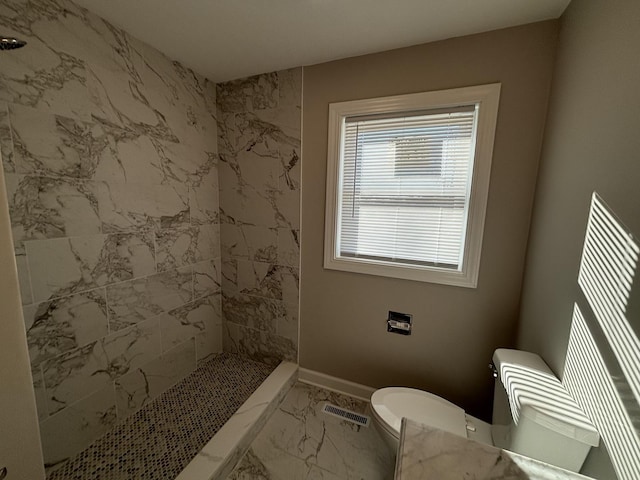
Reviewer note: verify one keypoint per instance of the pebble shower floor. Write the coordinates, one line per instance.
(158, 441)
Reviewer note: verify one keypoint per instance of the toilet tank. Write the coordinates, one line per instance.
(545, 422)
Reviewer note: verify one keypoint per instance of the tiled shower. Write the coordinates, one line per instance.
(124, 177)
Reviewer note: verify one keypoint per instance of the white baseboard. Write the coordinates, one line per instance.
(356, 390)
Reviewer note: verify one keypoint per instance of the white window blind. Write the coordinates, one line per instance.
(405, 186)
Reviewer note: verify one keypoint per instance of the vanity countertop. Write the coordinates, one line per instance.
(427, 453)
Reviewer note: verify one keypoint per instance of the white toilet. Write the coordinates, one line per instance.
(533, 414)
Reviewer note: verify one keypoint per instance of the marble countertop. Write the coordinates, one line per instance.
(427, 453)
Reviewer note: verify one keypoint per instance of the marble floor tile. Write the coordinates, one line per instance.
(299, 441)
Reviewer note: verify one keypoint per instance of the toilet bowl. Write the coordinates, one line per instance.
(538, 418)
(389, 405)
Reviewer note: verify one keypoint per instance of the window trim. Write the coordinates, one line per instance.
(487, 97)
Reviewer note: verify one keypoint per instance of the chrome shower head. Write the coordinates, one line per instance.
(10, 43)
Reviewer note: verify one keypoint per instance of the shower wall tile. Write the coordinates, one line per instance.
(6, 141)
(258, 345)
(290, 87)
(203, 199)
(143, 298)
(209, 342)
(79, 425)
(253, 93)
(110, 151)
(64, 324)
(190, 320)
(76, 373)
(68, 265)
(181, 246)
(24, 278)
(288, 324)
(47, 145)
(40, 393)
(288, 247)
(206, 278)
(44, 208)
(269, 280)
(145, 383)
(250, 242)
(259, 131)
(130, 207)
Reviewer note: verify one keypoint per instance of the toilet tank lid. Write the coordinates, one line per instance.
(536, 393)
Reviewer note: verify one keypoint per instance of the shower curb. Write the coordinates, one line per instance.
(219, 456)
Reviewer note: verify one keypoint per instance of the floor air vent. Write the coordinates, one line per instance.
(352, 417)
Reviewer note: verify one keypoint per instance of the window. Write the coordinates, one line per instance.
(408, 178)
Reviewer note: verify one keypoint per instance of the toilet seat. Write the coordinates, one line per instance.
(391, 404)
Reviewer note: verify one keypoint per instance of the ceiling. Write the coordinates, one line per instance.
(227, 39)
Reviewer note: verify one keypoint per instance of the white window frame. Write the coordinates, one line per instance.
(487, 98)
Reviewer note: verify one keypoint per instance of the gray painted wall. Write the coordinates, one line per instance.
(591, 143)
(343, 329)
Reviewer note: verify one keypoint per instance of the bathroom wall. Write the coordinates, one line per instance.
(259, 129)
(343, 315)
(19, 440)
(109, 153)
(591, 144)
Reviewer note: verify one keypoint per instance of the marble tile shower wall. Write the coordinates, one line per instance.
(110, 155)
(259, 128)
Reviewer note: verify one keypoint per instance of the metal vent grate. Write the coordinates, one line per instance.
(352, 417)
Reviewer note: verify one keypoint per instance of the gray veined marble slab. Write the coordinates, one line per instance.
(258, 345)
(185, 245)
(68, 265)
(143, 384)
(43, 208)
(6, 140)
(427, 453)
(253, 93)
(57, 326)
(256, 312)
(206, 278)
(110, 153)
(77, 373)
(204, 201)
(143, 298)
(189, 321)
(250, 242)
(78, 425)
(53, 145)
